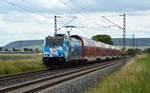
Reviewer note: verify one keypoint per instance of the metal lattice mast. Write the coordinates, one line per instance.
(55, 25)
(124, 35)
(124, 32)
(133, 41)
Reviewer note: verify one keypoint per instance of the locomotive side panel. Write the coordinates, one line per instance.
(75, 50)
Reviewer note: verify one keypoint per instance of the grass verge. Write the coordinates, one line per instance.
(12, 64)
(134, 77)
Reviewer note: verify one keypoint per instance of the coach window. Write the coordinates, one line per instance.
(90, 54)
(103, 54)
(99, 49)
(67, 43)
(85, 48)
(94, 53)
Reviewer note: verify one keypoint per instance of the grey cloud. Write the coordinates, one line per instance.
(78, 6)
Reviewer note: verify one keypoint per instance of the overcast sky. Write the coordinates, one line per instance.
(33, 19)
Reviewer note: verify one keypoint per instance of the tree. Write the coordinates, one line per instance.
(148, 50)
(26, 49)
(13, 49)
(30, 49)
(36, 50)
(6, 49)
(103, 38)
(1, 48)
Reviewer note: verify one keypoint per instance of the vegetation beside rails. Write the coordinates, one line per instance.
(12, 63)
(134, 77)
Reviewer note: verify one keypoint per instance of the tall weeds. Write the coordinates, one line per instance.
(134, 77)
(11, 64)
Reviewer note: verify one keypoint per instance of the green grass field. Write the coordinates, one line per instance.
(12, 63)
(134, 77)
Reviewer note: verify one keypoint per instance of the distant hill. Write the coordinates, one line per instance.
(129, 41)
(39, 43)
(25, 44)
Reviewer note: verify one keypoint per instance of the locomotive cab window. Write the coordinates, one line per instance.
(98, 49)
(86, 48)
(54, 41)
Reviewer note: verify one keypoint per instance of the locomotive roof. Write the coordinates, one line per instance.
(58, 36)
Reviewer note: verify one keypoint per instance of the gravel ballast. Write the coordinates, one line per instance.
(83, 83)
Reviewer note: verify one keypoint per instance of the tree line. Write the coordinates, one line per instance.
(17, 50)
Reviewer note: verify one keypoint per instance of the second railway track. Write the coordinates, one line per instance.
(46, 82)
(14, 76)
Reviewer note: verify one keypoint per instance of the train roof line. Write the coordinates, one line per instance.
(104, 44)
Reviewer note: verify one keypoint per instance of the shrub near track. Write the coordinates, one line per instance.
(12, 64)
(134, 77)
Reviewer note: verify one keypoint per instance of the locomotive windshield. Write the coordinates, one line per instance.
(54, 41)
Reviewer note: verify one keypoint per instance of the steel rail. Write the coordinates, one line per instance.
(20, 75)
(84, 70)
(25, 74)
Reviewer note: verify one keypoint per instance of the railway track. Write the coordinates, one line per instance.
(10, 80)
(22, 77)
(46, 82)
(25, 74)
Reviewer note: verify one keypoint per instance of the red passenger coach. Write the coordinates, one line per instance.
(94, 50)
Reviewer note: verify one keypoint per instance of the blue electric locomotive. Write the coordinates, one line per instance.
(61, 49)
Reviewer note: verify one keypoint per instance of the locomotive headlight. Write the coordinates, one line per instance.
(60, 55)
(46, 55)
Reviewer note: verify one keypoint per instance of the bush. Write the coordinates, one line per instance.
(133, 52)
